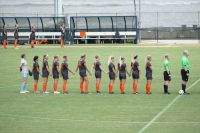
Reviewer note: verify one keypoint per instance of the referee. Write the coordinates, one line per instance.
(185, 68)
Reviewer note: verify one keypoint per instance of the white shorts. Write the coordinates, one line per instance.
(24, 74)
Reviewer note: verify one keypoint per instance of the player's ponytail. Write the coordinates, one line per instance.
(109, 59)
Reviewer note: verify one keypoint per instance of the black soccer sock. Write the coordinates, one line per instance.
(183, 87)
(165, 91)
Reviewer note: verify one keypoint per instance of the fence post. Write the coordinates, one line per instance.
(157, 26)
(198, 26)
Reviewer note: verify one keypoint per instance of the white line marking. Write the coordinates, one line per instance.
(164, 109)
(92, 121)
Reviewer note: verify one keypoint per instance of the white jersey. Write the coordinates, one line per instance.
(24, 65)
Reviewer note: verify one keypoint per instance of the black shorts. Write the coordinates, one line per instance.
(184, 75)
(112, 76)
(63, 37)
(56, 75)
(122, 76)
(83, 74)
(4, 37)
(65, 76)
(45, 74)
(98, 74)
(36, 76)
(135, 75)
(16, 36)
(149, 76)
(167, 76)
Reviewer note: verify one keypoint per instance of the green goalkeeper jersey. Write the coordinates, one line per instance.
(185, 62)
(166, 64)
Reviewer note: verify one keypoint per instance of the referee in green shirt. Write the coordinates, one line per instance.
(185, 69)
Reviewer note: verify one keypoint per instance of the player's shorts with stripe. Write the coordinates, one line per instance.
(98, 74)
(167, 76)
(184, 75)
(135, 75)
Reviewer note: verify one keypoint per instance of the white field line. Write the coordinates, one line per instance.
(164, 109)
(91, 121)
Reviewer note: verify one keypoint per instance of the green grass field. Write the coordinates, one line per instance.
(104, 113)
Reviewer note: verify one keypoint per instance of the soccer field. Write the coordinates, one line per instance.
(100, 113)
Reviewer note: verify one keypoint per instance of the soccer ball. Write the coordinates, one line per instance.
(180, 92)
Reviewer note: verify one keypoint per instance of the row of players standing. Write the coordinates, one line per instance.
(113, 72)
(32, 36)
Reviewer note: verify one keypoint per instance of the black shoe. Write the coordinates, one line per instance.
(111, 92)
(98, 92)
(82, 92)
(167, 93)
(186, 93)
(136, 93)
(86, 93)
(148, 93)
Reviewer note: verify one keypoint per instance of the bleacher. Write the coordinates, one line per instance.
(100, 29)
(47, 28)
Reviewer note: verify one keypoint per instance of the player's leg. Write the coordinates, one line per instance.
(45, 81)
(111, 83)
(86, 84)
(98, 80)
(135, 83)
(123, 81)
(35, 86)
(55, 85)
(64, 86)
(15, 43)
(81, 85)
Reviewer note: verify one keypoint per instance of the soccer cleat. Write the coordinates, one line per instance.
(46, 92)
(136, 93)
(22, 92)
(98, 92)
(56, 92)
(111, 92)
(26, 91)
(186, 93)
(167, 93)
(82, 92)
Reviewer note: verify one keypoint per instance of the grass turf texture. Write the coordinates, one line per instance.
(93, 113)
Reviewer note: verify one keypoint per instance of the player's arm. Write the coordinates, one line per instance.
(115, 71)
(127, 72)
(57, 67)
(71, 71)
(139, 69)
(93, 68)
(38, 70)
(167, 69)
(47, 67)
(77, 67)
(87, 69)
